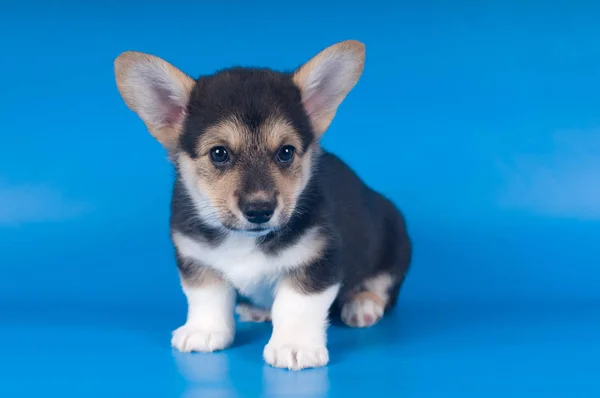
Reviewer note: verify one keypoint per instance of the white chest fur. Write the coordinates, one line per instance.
(253, 272)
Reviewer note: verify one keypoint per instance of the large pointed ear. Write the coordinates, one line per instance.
(157, 91)
(325, 80)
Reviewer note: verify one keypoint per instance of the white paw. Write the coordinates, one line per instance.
(192, 338)
(249, 313)
(362, 312)
(295, 357)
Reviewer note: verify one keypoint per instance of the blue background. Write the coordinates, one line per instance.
(480, 119)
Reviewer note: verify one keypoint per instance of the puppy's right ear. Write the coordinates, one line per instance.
(327, 78)
(157, 91)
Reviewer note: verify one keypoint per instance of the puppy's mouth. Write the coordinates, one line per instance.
(237, 224)
(258, 231)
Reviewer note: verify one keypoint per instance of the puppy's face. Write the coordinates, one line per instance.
(243, 140)
(246, 177)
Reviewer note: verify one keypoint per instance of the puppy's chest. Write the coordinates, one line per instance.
(248, 268)
(242, 262)
(252, 271)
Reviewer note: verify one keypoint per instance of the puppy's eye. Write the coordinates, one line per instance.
(219, 155)
(286, 154)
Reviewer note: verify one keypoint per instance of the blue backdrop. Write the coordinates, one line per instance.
(484, 126)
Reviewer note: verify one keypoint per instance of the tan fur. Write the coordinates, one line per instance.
(370, 296)
(380, 284)
(365, 306)
(354, 51)
(220, 186)
(290, 183)
(278, 132)
(229, 133)
(134, 90)
(293, 183)
(375, 288)
(142, 78)
(202, 276)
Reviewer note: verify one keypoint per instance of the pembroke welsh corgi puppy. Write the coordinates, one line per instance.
(260, 212)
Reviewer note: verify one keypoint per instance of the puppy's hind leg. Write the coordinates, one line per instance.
(366, 304)
(250, 313)
(366, 307)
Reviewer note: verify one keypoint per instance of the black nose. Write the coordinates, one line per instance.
(258, 211)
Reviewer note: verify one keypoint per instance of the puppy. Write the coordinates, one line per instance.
(260, 211)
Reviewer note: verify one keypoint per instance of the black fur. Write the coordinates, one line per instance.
(366, 232)
(250, 94)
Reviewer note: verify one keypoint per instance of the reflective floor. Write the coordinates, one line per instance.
(480, 119)
(433, 351)
(113, 339)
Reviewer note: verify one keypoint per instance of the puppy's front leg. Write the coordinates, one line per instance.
(210, 323)
(300, 321)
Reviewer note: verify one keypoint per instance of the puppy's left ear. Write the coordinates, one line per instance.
(157, 91)
(326, 79)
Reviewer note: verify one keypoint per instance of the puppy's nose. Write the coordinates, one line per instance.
(258, 211)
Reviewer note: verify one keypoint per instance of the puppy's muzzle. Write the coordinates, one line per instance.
(258, 211)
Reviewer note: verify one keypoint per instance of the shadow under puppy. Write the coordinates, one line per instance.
(259, 209)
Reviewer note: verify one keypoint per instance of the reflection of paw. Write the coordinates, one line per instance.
(295, 357)
(362, 311)
(249, 313)
(192, 338)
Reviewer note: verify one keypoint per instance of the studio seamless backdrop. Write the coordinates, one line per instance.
(484, 127)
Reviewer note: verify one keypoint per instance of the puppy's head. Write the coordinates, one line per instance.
(243, 140)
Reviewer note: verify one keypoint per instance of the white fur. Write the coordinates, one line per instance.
(363, 311)
(300, 322)
(242, 262)
(299, 334)
(201, 201)
(379, 285)
(203, 204)
(210, 324)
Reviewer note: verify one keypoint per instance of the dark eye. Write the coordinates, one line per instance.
(219, 155)
(286, 154)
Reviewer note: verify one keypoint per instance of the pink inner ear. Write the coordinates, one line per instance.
(320, 91)
(313, 103)
(171, 112)
(173, 115)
